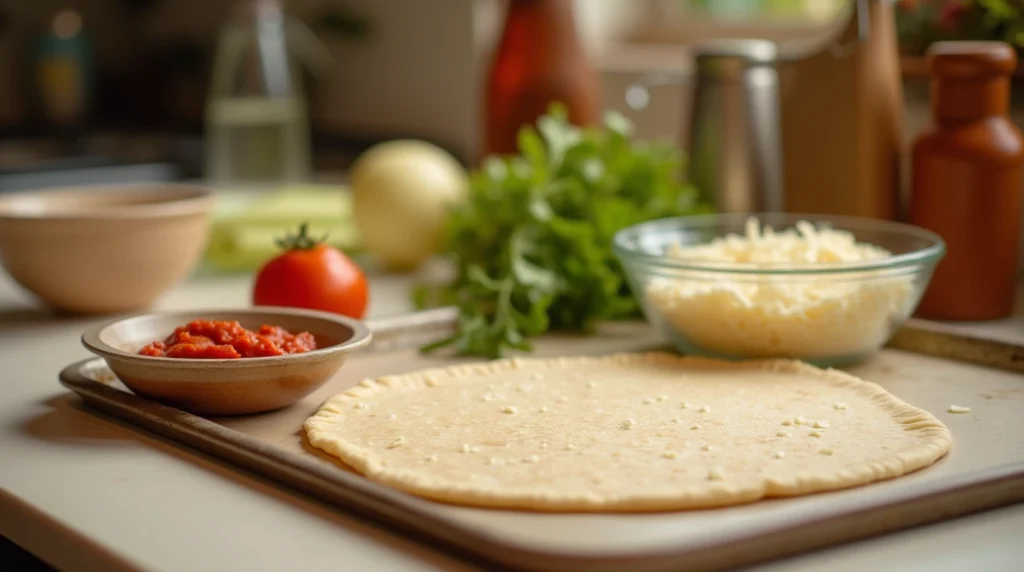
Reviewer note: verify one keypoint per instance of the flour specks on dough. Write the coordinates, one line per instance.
(619, 434)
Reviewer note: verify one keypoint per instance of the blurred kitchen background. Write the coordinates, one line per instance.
(108, 90)
(284, 95)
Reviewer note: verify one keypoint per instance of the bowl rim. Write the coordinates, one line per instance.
(932, 253)
(183, 199)
(361, 336)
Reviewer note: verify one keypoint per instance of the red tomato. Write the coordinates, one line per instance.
(313, 275)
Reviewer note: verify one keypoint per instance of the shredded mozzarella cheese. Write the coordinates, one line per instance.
(779, 315)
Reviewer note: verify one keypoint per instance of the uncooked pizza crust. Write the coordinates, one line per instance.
(627, 432)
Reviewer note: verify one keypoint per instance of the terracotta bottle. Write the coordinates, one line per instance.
(539, 60)
(966, 180)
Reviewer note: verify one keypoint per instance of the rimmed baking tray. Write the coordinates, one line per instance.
(924, 364)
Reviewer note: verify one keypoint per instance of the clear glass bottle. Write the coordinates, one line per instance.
(257, 125)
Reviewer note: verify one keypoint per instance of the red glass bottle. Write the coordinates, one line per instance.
(539, 60)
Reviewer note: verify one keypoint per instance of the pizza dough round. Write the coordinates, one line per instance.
(626, 432)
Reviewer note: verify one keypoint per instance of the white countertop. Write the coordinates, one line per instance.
(87, 493)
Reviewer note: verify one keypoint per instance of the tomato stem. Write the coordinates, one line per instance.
(300, 241)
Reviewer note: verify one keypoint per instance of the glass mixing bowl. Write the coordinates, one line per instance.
(827, 314)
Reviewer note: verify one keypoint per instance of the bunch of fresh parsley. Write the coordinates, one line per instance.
(532, 245)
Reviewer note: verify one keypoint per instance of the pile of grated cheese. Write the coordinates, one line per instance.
(804, 316)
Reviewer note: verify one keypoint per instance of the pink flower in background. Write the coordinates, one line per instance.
(921, 22)
(914, 5)
(952, 15)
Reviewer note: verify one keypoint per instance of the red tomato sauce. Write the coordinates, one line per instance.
(206, 339)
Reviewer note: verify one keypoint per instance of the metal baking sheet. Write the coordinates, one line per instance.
(925, 364)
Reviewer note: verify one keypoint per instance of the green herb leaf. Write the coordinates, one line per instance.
(532, 245)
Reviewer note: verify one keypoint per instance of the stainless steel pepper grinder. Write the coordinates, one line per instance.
(735, 146)
(735, 143)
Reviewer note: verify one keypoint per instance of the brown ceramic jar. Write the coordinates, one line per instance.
(966, 181)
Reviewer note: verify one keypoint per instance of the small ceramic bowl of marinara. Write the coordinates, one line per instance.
(227, 362)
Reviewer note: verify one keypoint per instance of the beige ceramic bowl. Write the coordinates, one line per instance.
(107, 249)
(227, 386)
